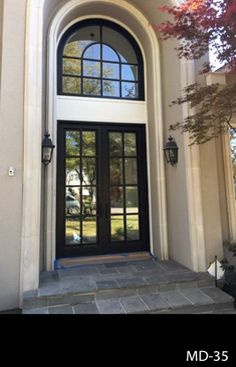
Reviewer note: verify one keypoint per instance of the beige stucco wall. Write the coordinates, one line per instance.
(1, 25)
(11, 125)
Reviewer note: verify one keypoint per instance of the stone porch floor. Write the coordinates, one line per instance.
(126, 287)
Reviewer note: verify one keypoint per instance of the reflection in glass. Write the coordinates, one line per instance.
(72, 231)
(72, 171)
(120, 43)
(91, 87)
(130, 171)
(117, 202)
(116, 171)
(132, 200)
(72, 143)
(89, 228)
(117, 228)
(111, 88)
(71, 66)
(115, 141)
(93, 52)
(91, 68)
(111, 71)
(108, 54)
(89, 143)
(81, 39)
(89, 171)
(89, 200)
(72, 201)
(129, 90)
(71, 85)
(130, 144)
(132, 225)
(130, 72)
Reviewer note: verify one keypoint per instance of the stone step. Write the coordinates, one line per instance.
(126, 287)
(187, 300)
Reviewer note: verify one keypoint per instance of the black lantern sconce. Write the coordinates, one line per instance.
(171, 151)
(47, 149)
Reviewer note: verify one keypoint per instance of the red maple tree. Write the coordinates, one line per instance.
(200, 25)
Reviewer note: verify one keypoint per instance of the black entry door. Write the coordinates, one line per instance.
(102, 201)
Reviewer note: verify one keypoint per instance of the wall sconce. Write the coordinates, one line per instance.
(47, 149)
(171, 151)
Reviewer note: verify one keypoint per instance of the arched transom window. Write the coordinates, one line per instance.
(98, 58)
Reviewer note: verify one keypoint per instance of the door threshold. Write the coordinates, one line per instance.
(101, 259)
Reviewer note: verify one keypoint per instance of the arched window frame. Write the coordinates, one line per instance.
(101, 23)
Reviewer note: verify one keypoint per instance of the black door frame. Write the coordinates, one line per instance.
(103, 208)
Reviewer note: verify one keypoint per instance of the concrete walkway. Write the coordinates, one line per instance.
(127, 287)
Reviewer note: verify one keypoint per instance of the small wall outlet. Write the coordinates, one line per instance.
(11, 171)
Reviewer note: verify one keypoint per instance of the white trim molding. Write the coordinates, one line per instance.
(31, 211)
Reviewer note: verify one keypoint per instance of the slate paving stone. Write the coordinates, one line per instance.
(36, 311)
(216, 294)
(175, 299)
(59, 310)
(133, 304)
(108, 271)
(196, 296)
(107, 284)
(132, 282)
(154, 302)
(110, 307)
(77, 286)
(49, 289)
(89, 308)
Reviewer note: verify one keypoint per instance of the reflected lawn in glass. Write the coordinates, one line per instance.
(73, 232)
(117, 228)
(132, 223)
(89, 230)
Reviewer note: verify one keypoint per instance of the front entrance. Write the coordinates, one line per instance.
(102, 200)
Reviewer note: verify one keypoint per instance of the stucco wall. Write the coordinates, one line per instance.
(1, 24)
(11, 124)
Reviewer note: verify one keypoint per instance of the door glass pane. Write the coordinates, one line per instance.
(117, 228)
(91, 68)
(72, 201)
(89, 200)
(111, 71)
(115, 144)
(132, 200)
(92, 87)
(116, 171)
(71, 85)
(88, 143)
(72, 171)
(117, 202)
(132, 224)
(130, 171)
(71, 66)
(72, 143)
(130, 144)
(129, 90)
(111, 88)
(89, 230)
(89, 171)
(72, 231)
(130, 72)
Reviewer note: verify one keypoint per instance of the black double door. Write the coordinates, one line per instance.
(102, 201)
